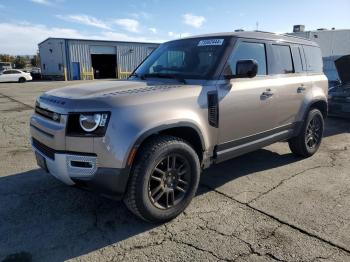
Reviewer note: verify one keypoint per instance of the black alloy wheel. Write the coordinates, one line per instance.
(314, 132)
(169, 181)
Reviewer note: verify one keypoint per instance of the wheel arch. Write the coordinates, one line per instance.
(185, 130)
(319, 104)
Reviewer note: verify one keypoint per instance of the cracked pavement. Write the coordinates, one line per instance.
(265, 206)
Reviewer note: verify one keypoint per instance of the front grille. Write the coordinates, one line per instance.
(48, 114)
(45, 150)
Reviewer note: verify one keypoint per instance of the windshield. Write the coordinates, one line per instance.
(195, 58)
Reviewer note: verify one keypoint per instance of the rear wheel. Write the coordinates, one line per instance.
(21, 80)
(309, 139)
(164, 180)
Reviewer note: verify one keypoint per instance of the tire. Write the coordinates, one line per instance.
(310, 133)
(159, 153)
(21, 80)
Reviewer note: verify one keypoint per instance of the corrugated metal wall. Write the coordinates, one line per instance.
(128, 55)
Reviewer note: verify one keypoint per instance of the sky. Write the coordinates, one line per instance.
(25, 23)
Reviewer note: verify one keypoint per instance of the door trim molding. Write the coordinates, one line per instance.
(253, 142)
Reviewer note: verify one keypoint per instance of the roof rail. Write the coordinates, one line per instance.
(286, 35)
(294, 36)
(265, 32)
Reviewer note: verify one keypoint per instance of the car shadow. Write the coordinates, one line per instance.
(42, 219)
(245, 165)
(336, 125)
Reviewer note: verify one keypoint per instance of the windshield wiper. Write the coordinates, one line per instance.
(137, 75)
(176, 77)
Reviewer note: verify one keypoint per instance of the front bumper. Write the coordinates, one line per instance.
(82, 170)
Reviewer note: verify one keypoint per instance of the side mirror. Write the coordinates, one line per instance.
(246, 68)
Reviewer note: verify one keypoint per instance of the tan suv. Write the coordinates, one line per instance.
(192, 103)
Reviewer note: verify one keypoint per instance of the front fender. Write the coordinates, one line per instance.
(127, 130)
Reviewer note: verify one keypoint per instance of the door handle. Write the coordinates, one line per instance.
(266, 94)
(301, 89)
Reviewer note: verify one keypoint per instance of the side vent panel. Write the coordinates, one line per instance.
(213, 109)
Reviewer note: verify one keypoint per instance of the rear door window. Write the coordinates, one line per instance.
(249, 50)
(283, 63)
(297, 59)
(313, 57)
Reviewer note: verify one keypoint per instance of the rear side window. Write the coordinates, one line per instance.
(11, 72)
(247, 50)
(283, 63)
(297, 58)
(313, 57)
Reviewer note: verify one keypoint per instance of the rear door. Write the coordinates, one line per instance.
(289, 80)
(15, 75)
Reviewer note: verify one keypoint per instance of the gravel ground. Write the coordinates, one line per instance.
(265, 206)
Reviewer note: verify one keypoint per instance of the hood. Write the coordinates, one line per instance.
(107, 94)
(96, 89)
(343, 67)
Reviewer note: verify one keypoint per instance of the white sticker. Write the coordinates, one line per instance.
(210, 42)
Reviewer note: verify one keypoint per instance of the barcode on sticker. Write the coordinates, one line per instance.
(210, 42)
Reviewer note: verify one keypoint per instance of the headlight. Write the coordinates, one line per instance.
(89, 123)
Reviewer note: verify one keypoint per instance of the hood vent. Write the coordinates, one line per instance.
(142, 90)
(213, 109)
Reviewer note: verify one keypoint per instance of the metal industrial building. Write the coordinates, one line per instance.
(334, 44)
(74, 59)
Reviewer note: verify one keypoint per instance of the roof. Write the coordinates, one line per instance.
(97, 40)
(324, 30)
(261, 35)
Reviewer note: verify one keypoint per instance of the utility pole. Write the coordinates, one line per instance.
(257, 25)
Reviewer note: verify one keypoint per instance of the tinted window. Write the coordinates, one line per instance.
(283, 63)
(313, 59)
(195, 58)
(10, 72)
(298, 65)
(247, 50)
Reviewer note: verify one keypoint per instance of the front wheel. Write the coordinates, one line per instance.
(21, 80)
(164, 180)
(307, 142)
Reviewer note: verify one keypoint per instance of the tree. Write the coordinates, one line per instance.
(6, 58)
(35, 61)
(19, 62)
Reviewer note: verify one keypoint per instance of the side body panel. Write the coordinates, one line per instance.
(249, 120)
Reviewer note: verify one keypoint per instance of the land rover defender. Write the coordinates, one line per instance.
(192, 103)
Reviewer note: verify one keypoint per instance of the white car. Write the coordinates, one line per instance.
(15, 75)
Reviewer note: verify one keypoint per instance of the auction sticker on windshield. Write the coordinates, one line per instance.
(211, 42)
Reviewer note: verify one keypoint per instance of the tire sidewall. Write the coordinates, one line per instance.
(312, 114)
(143, 201)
